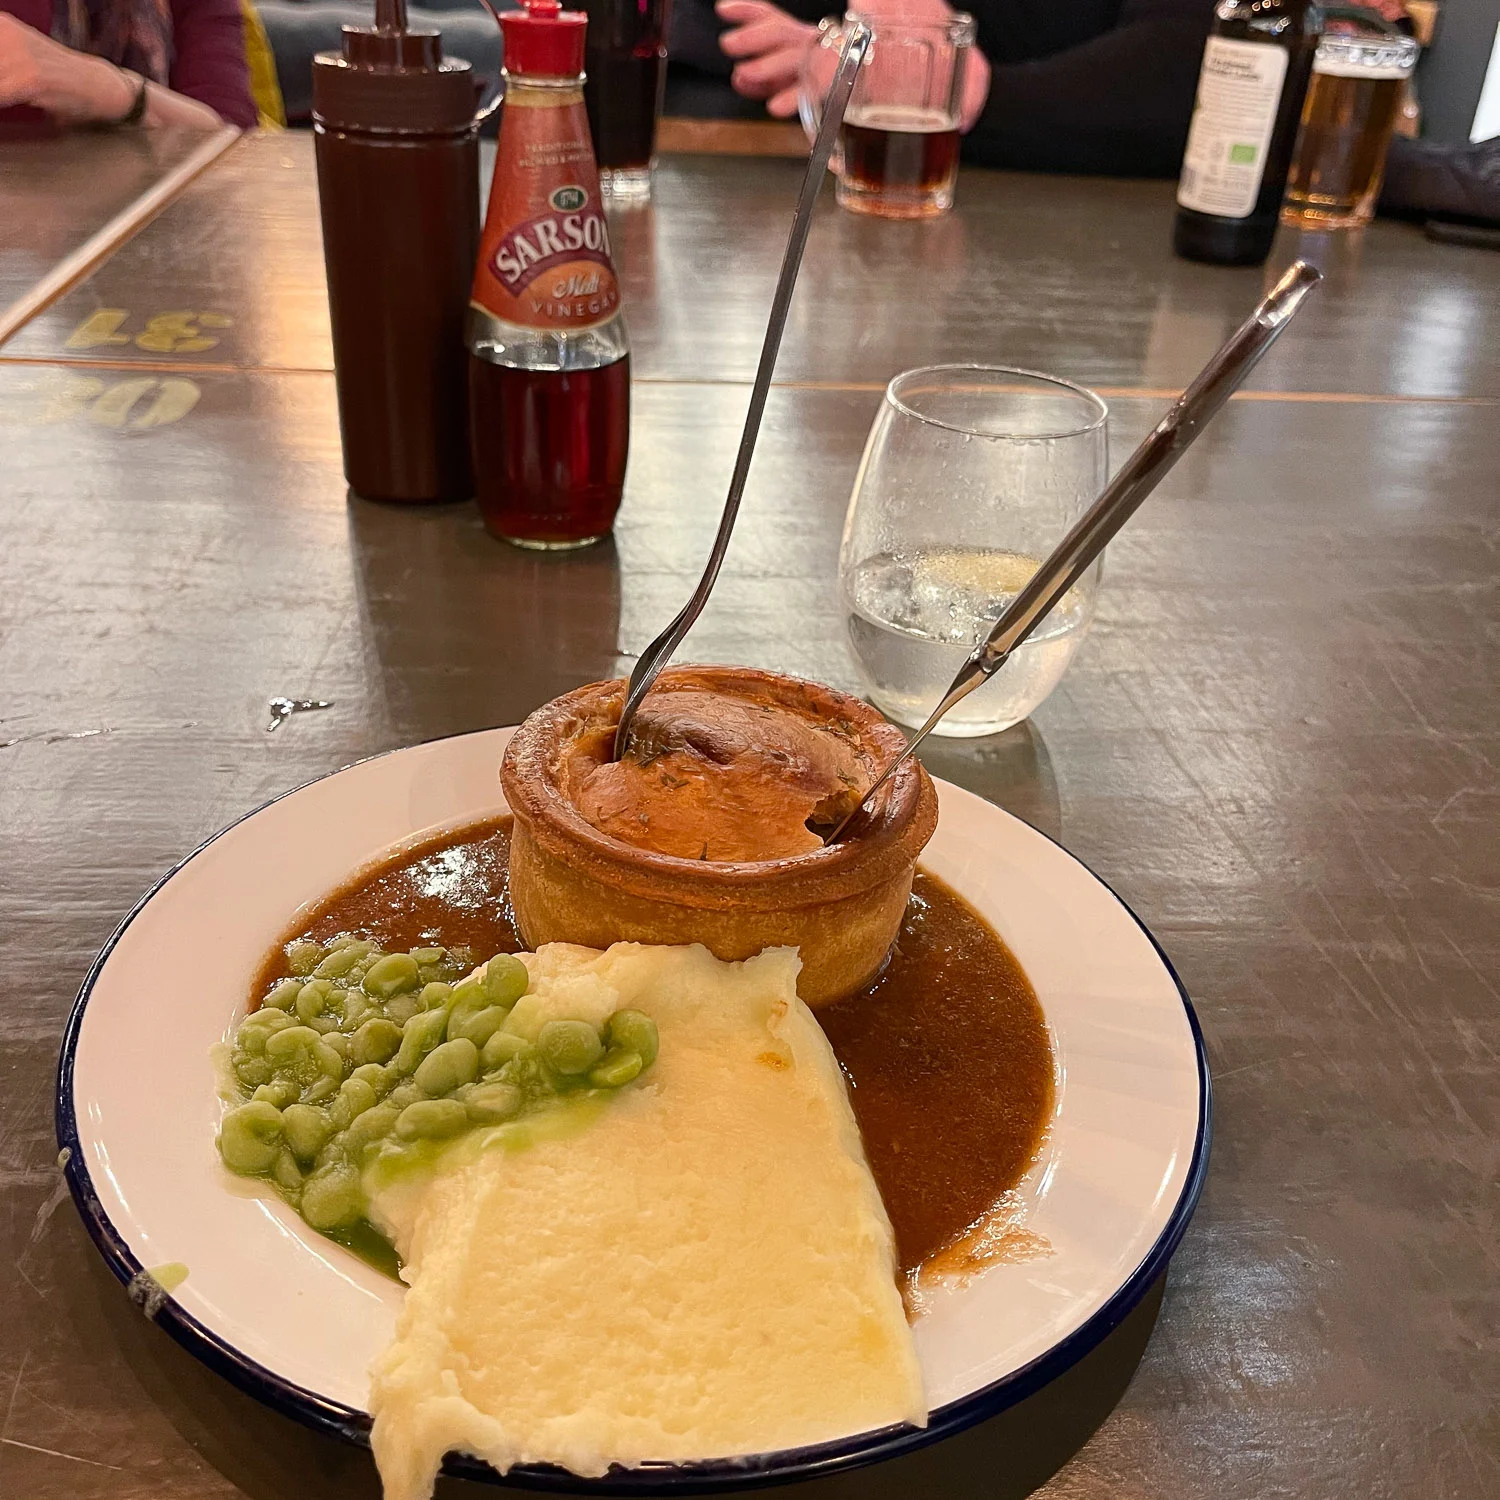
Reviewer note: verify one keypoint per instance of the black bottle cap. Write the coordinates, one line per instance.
(391, 80)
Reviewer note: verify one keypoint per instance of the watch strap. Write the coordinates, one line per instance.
(137, 111)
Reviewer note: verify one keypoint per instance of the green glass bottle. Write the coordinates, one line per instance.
(1256, 68)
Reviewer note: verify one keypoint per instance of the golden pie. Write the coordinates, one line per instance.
(711, 828)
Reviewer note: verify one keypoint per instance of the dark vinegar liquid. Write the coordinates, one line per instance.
(625, 73)
(900, 151)
(549, 450)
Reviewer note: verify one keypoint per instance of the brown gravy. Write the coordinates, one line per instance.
(947, 1055)
(950, 1071)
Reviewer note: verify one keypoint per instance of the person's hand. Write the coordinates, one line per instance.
(68, 85)
(770, 46)
(20, 76)
(976, 89)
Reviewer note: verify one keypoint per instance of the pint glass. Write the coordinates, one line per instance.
(626, 66)
(1347, 120)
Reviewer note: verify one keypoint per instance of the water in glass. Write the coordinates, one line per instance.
(970, 476)
(913, 620)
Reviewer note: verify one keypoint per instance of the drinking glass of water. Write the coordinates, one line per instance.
(971, 475)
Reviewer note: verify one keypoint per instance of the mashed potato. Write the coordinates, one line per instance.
(700, 1267)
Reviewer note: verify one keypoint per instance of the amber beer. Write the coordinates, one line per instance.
(1347, 121)
(899, 161)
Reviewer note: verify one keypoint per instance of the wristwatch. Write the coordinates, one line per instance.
(137, 111)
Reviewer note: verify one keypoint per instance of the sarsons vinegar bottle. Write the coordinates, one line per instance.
(549, 362)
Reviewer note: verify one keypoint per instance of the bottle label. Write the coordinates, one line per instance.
(544, 258)
(1238, 91)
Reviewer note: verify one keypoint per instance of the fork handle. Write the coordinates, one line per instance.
(650, 662)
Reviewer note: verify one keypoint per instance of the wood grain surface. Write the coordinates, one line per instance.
(56, 192)
(1065, 275)
(676, 135)
(1279, 744)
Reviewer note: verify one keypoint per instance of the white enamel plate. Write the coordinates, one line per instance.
(295, 1319)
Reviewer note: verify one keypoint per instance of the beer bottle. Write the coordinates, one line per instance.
(1255, 72)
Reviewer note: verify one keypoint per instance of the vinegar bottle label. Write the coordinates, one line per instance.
(544, 257)
(1238, 91)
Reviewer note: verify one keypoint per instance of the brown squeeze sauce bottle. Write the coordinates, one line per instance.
(398, 184)
(549, 362)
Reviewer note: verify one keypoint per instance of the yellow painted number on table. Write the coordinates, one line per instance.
(145, 402)
(164, 333)
(133, 405)
(180, 332)
(99, 329)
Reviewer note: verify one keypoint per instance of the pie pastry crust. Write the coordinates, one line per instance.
(840, 906)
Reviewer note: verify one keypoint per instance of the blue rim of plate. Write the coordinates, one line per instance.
(786, 1466)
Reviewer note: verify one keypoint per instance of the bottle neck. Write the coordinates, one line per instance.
(1269, 17)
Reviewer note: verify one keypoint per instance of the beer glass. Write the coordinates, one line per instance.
(625, 66)
(897, 152)
(971, 475)
(1347, 121)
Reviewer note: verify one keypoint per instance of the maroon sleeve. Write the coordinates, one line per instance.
(37, 14)
(210, 63)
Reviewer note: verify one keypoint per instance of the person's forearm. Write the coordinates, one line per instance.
(85, 90)
(78, 88)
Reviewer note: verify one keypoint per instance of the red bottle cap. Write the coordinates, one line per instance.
(544, 38)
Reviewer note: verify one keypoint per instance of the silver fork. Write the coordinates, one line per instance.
(650, 662)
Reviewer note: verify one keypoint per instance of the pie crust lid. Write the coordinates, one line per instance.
(887, 842)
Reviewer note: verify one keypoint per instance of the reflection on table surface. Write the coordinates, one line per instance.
(1070, 276)
(1279, 745)
(58, 190)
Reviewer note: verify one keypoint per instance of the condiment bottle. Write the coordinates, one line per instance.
(398, 185)
(1256, 68)
(549, 363)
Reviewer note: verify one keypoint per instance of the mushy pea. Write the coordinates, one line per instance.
(366, 1058)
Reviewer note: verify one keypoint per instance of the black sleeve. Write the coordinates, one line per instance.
(1118, 104)
(693, 32)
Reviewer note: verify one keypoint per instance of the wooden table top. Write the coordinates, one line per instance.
(1068, 276)
(1279, 744)
(66, 194)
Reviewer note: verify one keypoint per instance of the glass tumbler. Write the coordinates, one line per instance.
(625, 66)
(970, 476)
(1348, 118)
(897, 154)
